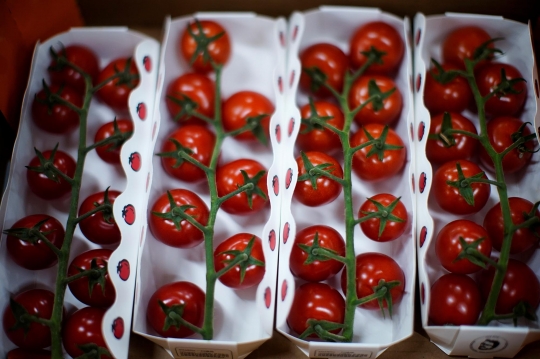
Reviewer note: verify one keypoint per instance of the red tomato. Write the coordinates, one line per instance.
(253, 269)
(230, 176)
(461, 44)
(384, 111)
(84, 327)
(316, 138)
(319, 267)
(80, 56)
(451, 96)
(100, 228)
(115, 93)
(89, 289)
(378, 161)
(449, 197)
(184, 298)
(330, 61)
(448, 147)
(34, 254)
(191, 92)
(54, 117)
(46, 188)
(244, 107)
(455, 300)
(381, 36)
(165, 229)
(218, 50)
(327, 189)
(316, 301)
(390, 228)
(520, 210)
(448, 245)
(28, 354)
(38, 302)
(197, 139)
(111, 153)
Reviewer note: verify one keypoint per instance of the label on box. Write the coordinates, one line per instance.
(342, 354)
(202, 353)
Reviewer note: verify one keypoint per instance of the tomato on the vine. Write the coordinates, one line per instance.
(100, 227)
(82, 57)
(110, 153)
(82, 328)
(191, 92)
(391, 221)
(312, 136)
(44, 187)
(248, 107)
(326, 63)
(115, 92)
(445, 94)
(53, 117)
(462, 43)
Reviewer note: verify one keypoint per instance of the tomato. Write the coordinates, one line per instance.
(455, 300)
(199, 141)
(230, 177)
(501, 132)
(390, 224)
(89, 290)
(317, 301)
(313, 137)
(115, 93)
(28, 354)
(184, 298)
(327, 61)
(37, 302)
(34, 254)
(183, 234)
(448, 245)
(110, 153)
(381, 160)
(383, 37)
(246, 274)
(319, 267)
(520, 210)
(326, 190)
(449, 196)
(191, 92)
(371, 268)
(99, 228)
(385, 111)
(219, 50)
(461, 44)
(489, 77)
(53, 117)
(46, 188)
(448, 96)
(80, 56)
(245, 107)
(441, 147)
(81, 328)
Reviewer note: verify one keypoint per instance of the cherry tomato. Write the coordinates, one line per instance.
(392, 228)
(46, 188)
(461, 44)
(54, 117)
(191, 92)
(81, 328)
(115, 93)
(452, 96)
(327, 189)
(381, 36)
(230, 176)
(378, 161)
(199, 141)
(455, 300)
(319, 267)
(316, 138)
(184, 298)
(253, 270)
(166, 231)
(82, 57)
(244, 107)
(19, 353)
(110, 153)
(35, 254)
(219, 49)
(449, 197)
(327, 59)
(520, 210)
(100, 227)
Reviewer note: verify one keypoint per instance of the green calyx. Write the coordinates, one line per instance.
(381, 293)
(379, 145)
(322, 329)
(202, 42)
(46, 166)
(243, 259)
(314, 121)
(384, 213)
(178, 154)
(177, 214)
(30, 235)
(252, 187)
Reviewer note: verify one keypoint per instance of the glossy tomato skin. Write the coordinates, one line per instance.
(330, 60)
(60, 118)
(83, 327)
(318, 270)
(19, 353)
(109, 153)
(95, 227)
(455, 300)
(177, 293)
(45, 188)
(219, 50)
(36, 256)
(82, 57)
(327, 189)
(199, 89)
(114, 94)
(80, 287)
(165, 230)
(448, 246)
(383, 37)
(243, 105)
(38, 302)
(253, 274)
(371, 168)
(453, 96)
(323, 140)
(316, 301)
(524, 238)
(461, 44)
(229, 177)
(393, 229)
(449, 198)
